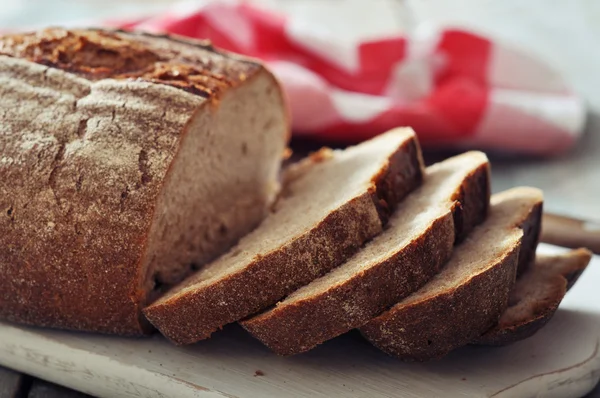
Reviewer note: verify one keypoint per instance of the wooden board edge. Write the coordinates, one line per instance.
(59, 363)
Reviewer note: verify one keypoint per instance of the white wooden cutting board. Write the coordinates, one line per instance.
(562, 360)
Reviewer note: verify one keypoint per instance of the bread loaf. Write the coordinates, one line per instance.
(470, 293)
(332, 204)
(417, 242)
(126, 161)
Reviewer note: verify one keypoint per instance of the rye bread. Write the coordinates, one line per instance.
(331, 205)
(470, 293)
(106, 139)
(418, 240)
(536, 296)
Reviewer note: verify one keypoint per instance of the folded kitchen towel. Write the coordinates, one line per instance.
(454, 87)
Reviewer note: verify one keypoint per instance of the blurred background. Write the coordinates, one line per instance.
(561, 34)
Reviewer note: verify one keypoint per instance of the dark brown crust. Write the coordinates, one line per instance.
(101, 54)
(507, 334)
(449, 320)
(301, 326)
(63, 265)
(432, 328)
(397, 180)
(511, 335)
(469, 209)
(531, 237)
(581, 259)
(195, 315)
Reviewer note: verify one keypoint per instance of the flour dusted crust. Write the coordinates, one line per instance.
(419, 240)
(77, 190)
(91, 123)
(331, 205)
(468, 296)
(194, 66)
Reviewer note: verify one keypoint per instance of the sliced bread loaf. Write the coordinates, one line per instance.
(468, 296)
(331, 205)
(536, 296)
(418, 241)
(124, 159)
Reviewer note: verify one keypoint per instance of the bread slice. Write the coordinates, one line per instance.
(467, 297)
(418, 241)
(536, 296)
(125, 159)
(332, 204)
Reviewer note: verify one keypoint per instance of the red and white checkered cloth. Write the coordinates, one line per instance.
(455, 88)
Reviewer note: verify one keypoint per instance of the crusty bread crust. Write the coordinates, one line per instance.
(432, 327)
(91, 122)
(191, 65)
(297, 327)
(471, 203)
(486, 292)
(196, 314)
(532, 228)
(557, 274)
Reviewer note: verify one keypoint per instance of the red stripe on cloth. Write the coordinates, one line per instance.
(462, 103)
(269, 28)
(429, 118)
(464, 55)
(377, 60)
(368, 79)
(461, 84)
(196, 25)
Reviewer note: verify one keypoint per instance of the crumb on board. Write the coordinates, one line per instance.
(259, 373)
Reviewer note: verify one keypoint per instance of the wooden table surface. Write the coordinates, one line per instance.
(565, 33)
